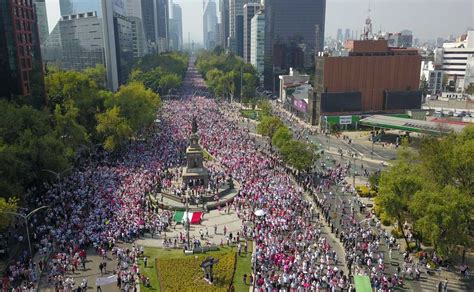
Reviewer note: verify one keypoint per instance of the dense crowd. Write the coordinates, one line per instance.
(108, 202)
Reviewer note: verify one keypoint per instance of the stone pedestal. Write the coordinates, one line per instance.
(195, 174)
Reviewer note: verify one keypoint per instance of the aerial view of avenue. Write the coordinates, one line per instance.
(236, 145)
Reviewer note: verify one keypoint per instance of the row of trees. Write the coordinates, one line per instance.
(297, 154)
(224, 74)
(162, 72)
(80, 116)
(434, 191)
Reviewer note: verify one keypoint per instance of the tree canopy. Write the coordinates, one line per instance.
(269, 125)
(225, 73)
(433, 190)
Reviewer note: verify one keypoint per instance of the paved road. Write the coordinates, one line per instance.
(362, 147)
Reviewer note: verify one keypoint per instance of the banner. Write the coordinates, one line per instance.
(345, 120)
(101, 281)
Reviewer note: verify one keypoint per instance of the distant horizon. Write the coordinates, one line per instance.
(427, 19)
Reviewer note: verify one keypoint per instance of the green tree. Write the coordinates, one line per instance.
(98, 74)
(27, 145)
(398, 186)
(137, 105)
(169, 81)
(470, 89)
(443, 217)
(7, 205)
(265, 108)
(374, 180)
(83, 89)
(281, 137)
(250, 83)
(298, 154)
(66, 127)
(114, 128)
(450, 160)
(269, 125)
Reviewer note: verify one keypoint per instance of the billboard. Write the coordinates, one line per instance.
(300, 105)
(341, 102)
(402, 100)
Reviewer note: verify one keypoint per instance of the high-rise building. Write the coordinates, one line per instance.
(209, 24)
(118, 42)
(68, 7)
(225, 18)
(456, 60)
(257, 42)
(236, 23)
(162, 24)
(135, 15)
(148, 15)
(81, 41)
(176, 28)
(250, 9)
(235, 9)
(21, 68)
(239, 35)
(347, 35)
(294, 31)
(339, 36)
(42, 20)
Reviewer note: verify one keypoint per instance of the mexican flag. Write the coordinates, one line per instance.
(193, 217)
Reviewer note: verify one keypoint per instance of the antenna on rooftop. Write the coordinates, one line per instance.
(368, 34)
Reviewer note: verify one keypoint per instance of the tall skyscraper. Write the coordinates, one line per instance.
(225, 18)
(162, 24)
(176, 28)
(294, 31)
(118, 42)
(250, 9)
(21, 68)
(68, 7)
(257, 42)
(148, 14)
(347, 34)
(42, 20)
(80, 42)
(209, 24)
(134, 13)
(239, 35)
(339, 36)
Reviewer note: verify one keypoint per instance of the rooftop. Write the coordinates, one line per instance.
(410, 125)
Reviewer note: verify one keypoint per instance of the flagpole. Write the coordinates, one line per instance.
(187, 221)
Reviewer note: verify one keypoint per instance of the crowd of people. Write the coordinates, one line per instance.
(101, 204)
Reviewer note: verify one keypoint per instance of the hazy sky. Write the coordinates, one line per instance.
(426, 18)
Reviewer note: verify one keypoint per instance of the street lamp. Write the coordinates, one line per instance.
(58, 176)
(26, 217)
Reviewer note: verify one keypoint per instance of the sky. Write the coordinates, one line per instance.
(427, 19)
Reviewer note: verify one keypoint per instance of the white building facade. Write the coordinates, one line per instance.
(433, 77)
(257, 42)
(454, 59)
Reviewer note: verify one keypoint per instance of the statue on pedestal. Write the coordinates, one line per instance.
(194, 126)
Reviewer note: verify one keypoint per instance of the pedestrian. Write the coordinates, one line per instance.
(245, 279)
(101, 267)
(445, 285)
(145, 261)
(215, 229)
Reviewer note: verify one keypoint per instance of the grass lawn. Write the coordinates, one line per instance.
(250, 114)
(243, 266)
